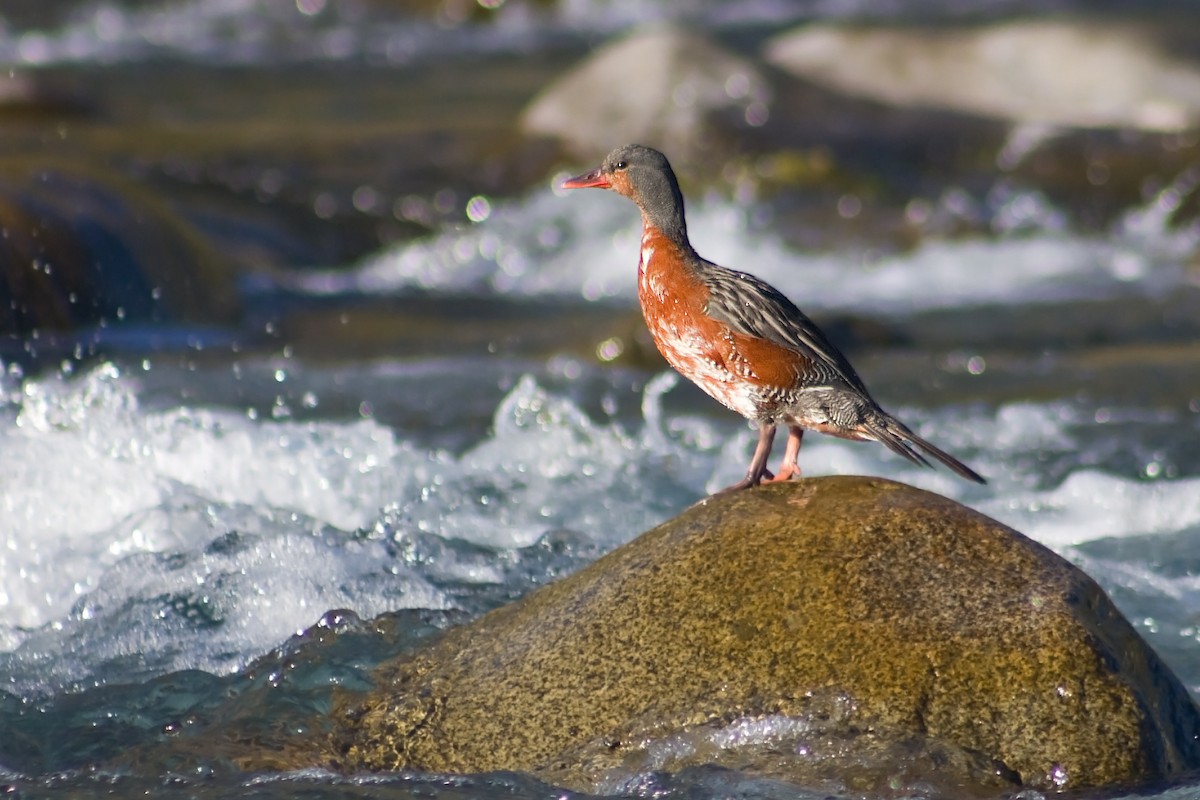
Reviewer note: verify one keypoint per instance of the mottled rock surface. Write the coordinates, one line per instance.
(855, 630)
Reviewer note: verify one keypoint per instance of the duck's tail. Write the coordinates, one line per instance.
(897, 437)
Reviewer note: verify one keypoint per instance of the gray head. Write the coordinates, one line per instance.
(644, 176)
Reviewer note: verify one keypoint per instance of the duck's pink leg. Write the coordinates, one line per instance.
(789, 468)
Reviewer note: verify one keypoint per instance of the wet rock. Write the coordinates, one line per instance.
(844, 629)
(663, 86)
(82, 246)
(1046, 72)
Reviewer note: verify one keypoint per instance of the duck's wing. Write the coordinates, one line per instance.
(753, 307)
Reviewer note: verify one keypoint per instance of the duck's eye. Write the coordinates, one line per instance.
(621, 165)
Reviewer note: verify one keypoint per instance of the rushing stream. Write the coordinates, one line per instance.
(180, 501)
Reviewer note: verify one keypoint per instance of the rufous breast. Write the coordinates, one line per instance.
(673, 300)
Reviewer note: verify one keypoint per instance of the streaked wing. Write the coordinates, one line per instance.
(755, 308)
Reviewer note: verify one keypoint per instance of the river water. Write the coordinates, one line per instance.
(439, 396)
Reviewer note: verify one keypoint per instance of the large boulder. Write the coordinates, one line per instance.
(662, 86)
(1045, 72)
(839, 630)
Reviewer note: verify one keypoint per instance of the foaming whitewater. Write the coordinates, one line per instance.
(153, 540)
(584, 245)
(188, 537)
(144, 538)
(550, 244)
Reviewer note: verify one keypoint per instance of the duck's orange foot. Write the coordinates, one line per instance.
(786, 473)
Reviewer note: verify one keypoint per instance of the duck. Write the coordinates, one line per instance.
(739, 339)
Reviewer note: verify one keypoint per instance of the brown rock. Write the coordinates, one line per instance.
(868, 631)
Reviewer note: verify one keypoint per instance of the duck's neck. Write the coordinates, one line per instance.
(661, 203)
